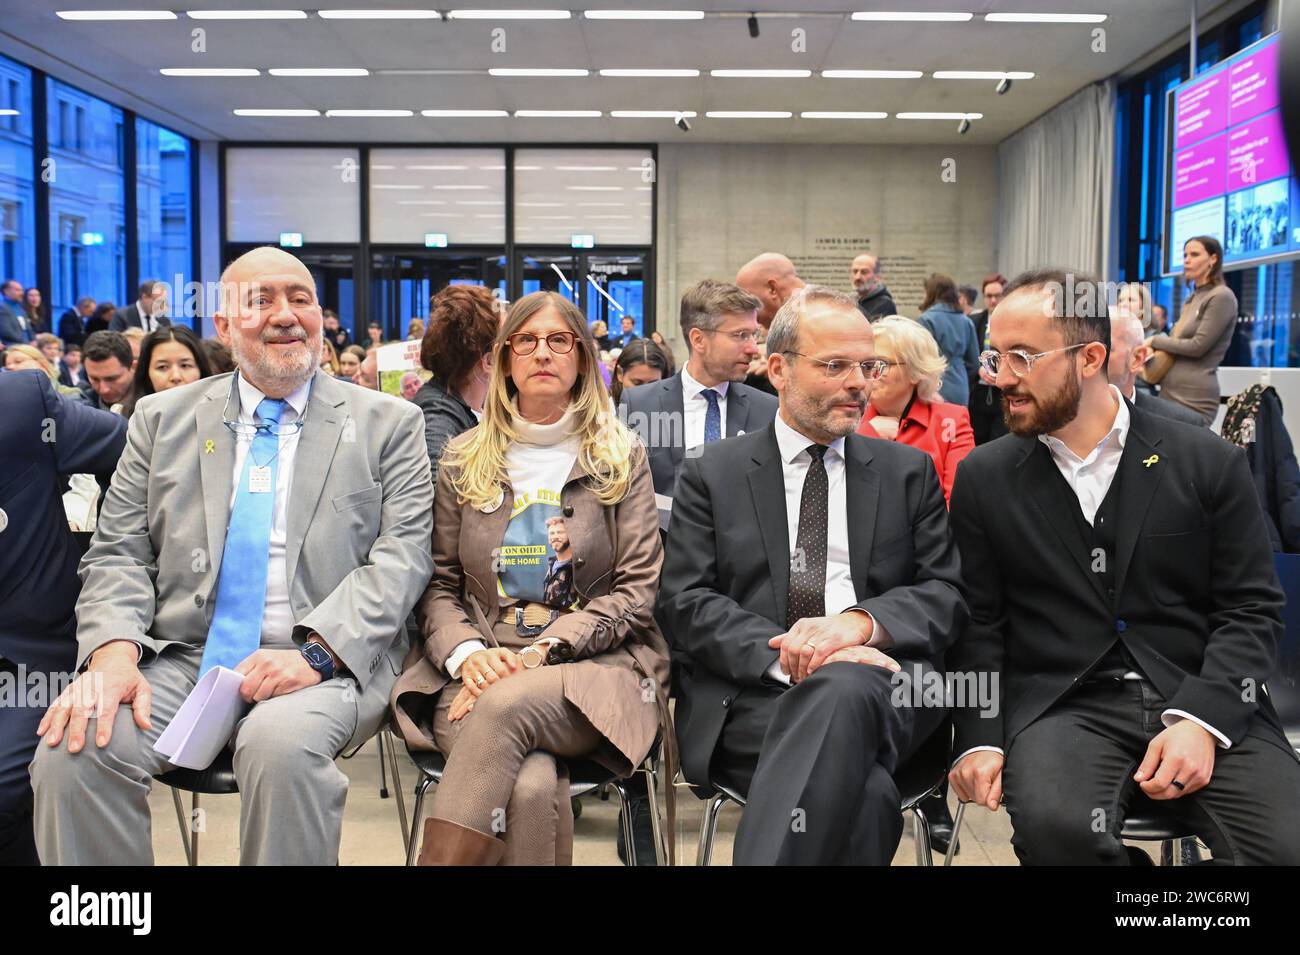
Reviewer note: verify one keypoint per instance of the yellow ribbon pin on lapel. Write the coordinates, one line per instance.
(209, 446)
(1151, 460)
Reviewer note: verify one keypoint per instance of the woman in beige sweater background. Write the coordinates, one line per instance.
(1202, 334)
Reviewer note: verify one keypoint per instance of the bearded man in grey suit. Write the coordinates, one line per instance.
(272, 521)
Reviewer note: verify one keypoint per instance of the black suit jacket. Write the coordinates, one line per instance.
(129, 317)
(1197, 601)
(39, 555)
(726, 573)
(656, 412)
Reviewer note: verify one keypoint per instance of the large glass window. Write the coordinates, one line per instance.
(87, 198)
(314, 192)
(453, 196)
(164, 210)
(17, 192)
(602, 193)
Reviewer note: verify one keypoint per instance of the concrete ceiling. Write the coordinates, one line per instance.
(121, 61)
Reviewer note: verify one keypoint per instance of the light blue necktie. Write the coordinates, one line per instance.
(236, 629)
(712, 417)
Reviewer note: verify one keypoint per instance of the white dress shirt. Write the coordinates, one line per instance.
(277, 617)
(795, 461)
(696, 407)
(1090, 478)
(147, 322)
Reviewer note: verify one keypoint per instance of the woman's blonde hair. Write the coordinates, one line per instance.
(478, 463)
(38, 356)
(331, 356)
(916, 350)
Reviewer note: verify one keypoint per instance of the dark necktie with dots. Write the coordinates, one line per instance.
(807, 597)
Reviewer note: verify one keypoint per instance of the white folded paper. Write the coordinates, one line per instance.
(206, 720)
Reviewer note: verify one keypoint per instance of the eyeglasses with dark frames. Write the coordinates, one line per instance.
(525, 343)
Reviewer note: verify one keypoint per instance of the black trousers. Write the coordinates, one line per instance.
(1068, 784)
(986, 419)
(814, 762)
(17, 745)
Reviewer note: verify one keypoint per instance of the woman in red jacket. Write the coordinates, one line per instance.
(903, 404)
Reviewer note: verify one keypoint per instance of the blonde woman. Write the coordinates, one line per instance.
(329, 359)
(539, 638)
(905, 404)
(24, 357)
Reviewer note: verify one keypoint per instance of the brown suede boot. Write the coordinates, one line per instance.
(449, 843)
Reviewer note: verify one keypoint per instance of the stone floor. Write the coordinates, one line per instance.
(371, 835)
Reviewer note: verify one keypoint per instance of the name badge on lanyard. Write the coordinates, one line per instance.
(259, 480)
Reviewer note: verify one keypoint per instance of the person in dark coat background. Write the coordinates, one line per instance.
(1254, 422)
(45, 438)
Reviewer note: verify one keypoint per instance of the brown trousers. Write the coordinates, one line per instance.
(502, 776)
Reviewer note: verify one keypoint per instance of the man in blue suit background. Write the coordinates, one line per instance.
(45, 438)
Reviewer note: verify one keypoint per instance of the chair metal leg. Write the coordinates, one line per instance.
(625, 820)
(397, 781)
(413, 843)
(956, 831)
(921, 836)
(656, 825)
(709, 828)
(194, 830)
(383, 778)
(181, 823)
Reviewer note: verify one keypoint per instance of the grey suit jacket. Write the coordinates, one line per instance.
(656, 412)
(1166, 408)
(360, 524)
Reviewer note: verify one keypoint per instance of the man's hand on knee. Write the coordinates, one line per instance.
(112, 678)
(977, 778)
(269, 673)
(813, 641)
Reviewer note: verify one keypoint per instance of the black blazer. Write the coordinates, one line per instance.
(1197, 601)
(726, 571)
(38, 553)
(747, 410)
(129, 317)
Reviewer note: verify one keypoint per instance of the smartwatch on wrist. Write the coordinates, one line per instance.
(319, 659)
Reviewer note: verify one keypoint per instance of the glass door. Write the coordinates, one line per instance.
(607, 286)
(403, 283)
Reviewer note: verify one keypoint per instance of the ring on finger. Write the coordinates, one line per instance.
(480, 680)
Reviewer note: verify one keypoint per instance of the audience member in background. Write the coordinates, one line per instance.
(600, 334)
(109, 364)
(219, 358)
(350, 360)
(1186, 365)
(658, 338)
(72, 323)
(772, 278)
(36, 310)
(31, 358)
(707, 400)
(368, 371)
(101, 319)
(329, 362)
(904, 405)
(170, 357)
(50, 346)
(954, 334)
(135, 338)
(304, 598)
(1159, 319)
(873, 296)
(640, 363)
(70, 370)
(147, 313)
(409, 384)
(1128, 355)
(374, 336)
(15, 329)
(506, 684)
(985, 400)
(457, 350)
(803, 625)
(415, 330)
(337, 336)
(967, 296)
(1121, 581)
(1133, 299)
(625, 337)
(38, 564)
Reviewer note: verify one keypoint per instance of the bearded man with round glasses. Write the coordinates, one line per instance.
(1122, 591)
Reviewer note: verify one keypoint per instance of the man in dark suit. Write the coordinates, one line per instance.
(109, 364)
(14, 327)
(625, 337)
(811, 578)
(705, 401)
(985, 400)
(1122, 587)
(149, 312)
(1128, 356)
(45, 438)
(72, 323)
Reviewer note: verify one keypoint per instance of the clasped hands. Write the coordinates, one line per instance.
(841, 638)
(480, 670)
